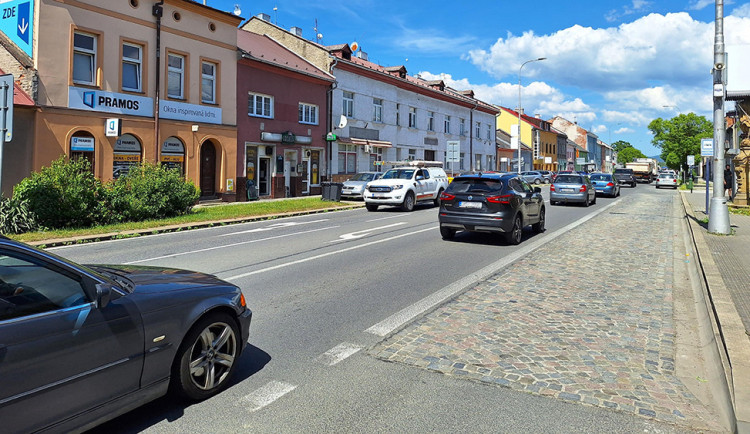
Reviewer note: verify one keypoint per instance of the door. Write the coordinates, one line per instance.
(305, 174)
(208, 169)
(60, 355)
(264, 176)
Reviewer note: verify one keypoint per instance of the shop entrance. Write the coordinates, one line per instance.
(208, 169)
(264, 176)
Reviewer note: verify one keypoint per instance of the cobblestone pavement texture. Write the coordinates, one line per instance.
(586, 318)
(731, 254)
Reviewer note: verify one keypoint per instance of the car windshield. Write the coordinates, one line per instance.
(474, 185)
(599, 177)
(569, 179)
(623, 171)
(362, 177)
(398, 174)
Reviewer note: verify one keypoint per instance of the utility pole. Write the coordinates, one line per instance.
(718, 215)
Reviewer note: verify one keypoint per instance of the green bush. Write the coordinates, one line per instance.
(66, 194)
(16, 218)
(149, 191)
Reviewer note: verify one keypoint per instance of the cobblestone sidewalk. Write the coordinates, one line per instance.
(586, 318)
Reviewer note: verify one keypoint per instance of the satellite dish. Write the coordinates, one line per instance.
(354, 46)
(237, 10)
(342, 122)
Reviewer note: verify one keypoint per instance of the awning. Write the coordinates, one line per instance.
(362, 142)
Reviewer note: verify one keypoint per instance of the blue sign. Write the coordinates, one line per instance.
(707, 147)
(16, 22)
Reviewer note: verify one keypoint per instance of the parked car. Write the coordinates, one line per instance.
(625, 176)
(547, 175)
(533, 177)
(405, 186)
(572, 188)
(354, 187)
(605, 183)
(80, 345)
(666, 180)
(491, 203)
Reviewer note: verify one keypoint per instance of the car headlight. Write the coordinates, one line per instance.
(398, 186)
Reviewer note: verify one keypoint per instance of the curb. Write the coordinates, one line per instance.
(734, 343)
(55, 242)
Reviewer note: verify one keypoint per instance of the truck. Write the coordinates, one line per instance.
(644, 169)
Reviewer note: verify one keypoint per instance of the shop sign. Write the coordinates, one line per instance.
(131, 158)
(113, 127)
(173, 145)
(85, 144)
(331, 137)
(189, 112)
(128, 143)
(16, 23)
(110, 102)
(287, 138)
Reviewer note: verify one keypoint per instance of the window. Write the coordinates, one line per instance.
(477, 130)
(431, 121)
(260, 105)
(175, 76)
(377, 110)
(376, 155)
(412, 155)
(462, 164)
(132, 67)
(447, 124)
(308, 114)
(347, 159)
(348, 104)
(398, 114)
(462, 127)
(412, 117)
(489, 132)
(84, 58)
(208, 83)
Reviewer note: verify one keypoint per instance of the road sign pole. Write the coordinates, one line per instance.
(3, 128)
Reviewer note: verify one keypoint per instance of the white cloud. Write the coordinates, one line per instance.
(636, 6)
(697, 5)
(742, 11)
(624, 130)
(599, 129)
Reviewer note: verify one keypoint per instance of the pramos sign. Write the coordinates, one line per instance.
(110, 102)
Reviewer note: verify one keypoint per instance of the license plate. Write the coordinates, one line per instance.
(567, 190)
(470, 204)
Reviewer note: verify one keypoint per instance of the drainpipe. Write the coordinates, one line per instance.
(157, 11)
(471, 135)
(329, 121)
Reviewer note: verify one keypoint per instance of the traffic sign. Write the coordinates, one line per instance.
(6, 105)
(16, 23)
(707, 147)
(691, 160)
(453, 154)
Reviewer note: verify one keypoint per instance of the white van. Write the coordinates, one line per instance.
(407, 184)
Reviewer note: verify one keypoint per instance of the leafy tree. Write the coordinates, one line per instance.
(679, 137)
(629, 154)
(620, 145)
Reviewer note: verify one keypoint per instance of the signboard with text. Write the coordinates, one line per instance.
(707, 147)
(109, 102)
(16, 23)
(189, 112)
(453, 151)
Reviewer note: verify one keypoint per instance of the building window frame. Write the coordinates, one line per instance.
(377, 110)
(348, 104)
(86, 57)
(136, 64)
(412, 117)
(210, 80)
(178, 73)
(430, 121)
(478, 130)
(347, 161)
(398, 114)
(260, 105)
(462, 127)
(447, 124)
(308, 113)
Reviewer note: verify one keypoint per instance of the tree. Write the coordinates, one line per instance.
(620, 145)
(679, 137)
(629, 154)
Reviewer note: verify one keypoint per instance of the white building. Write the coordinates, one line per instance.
(384, 114)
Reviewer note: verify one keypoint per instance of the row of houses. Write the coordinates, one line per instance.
(242, 105)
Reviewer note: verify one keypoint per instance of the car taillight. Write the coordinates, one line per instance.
(552, 187)
(582, 189)
(609, 184)
(447, 196)
(500, 199)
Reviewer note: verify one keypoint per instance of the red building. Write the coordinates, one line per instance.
(281, 120)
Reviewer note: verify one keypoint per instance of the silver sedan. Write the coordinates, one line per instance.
(666, 180)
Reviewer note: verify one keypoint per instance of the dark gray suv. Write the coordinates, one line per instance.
(491, 203)
(625, 176)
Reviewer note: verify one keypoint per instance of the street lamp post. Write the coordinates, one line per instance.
(520, 109)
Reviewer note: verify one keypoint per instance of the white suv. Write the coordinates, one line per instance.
(406, 185)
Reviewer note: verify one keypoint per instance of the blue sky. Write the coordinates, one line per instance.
(612, 66)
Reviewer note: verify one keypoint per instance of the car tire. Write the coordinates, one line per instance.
(593, 202)
(437, 198)
(586, 201)
(371, 207)
(447, 233)
(206, 358)
(538, 227)
(537, 182)
(514, 236)
(408, 203)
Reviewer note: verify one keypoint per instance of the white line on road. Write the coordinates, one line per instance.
(384, 218)
(312, 258)
(266, 395)
(172, 255)
(364, 233)
(397, 320)
(338, 353)
(274, 226)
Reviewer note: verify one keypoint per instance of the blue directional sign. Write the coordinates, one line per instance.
(16, 22)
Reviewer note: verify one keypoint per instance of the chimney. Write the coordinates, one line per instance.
(296, 30)
(362, 55)
(537, 115)
(519, 110)
(264, 17)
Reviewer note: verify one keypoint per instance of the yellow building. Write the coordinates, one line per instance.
(535, 133)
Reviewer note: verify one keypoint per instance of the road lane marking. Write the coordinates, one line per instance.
(266, 395)
(274, 226)
(338, 353)
(223, 246)
(400, 318)
(312, 258)
(384, 218)
(364, 233)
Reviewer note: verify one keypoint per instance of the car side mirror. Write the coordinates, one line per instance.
(419, 177)
(537, 190)
(103, 295)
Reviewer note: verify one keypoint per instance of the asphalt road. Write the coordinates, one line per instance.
(323, 288)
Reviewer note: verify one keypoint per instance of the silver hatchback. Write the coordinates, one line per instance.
(572, 188)
(666, 180)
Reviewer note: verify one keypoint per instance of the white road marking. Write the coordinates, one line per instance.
(366, 232)
(384, 218)
(266, 395)
(338, 353)
(274, 226)
(312, 258)
(172, 255)
(397, 320)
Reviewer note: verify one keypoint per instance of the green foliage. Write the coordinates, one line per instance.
(66, 194)
(149, 191)
(679, 137)
(16, 218)
(620, 145)
(629, 154)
